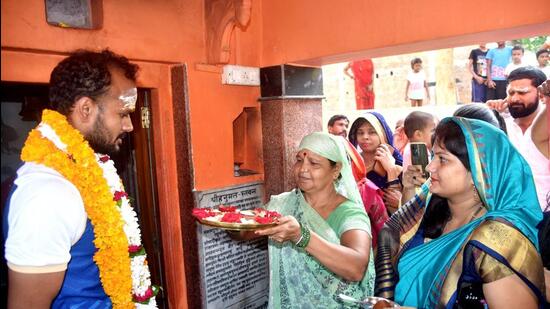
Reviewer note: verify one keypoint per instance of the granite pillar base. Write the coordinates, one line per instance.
(285, 121)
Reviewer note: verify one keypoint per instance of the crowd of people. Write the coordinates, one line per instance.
(464, 231)
(468, 229)
(491, 67)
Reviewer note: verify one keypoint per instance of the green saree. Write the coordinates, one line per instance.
(298, 280)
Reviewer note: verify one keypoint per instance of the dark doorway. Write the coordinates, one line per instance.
(22, 105)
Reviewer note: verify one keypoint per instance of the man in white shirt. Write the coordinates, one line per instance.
(523, 106)
(52, 240)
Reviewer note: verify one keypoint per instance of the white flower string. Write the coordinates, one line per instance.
(143, 292)
(141, 277)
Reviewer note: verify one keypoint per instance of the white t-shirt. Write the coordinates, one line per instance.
(416, 86)
(512, 66)
(540, 165)
(46, 218)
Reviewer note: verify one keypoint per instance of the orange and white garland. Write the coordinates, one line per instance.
(120, 256)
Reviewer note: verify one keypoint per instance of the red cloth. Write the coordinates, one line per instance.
(371, 195)
(362, 74)
(374, 206)
(358, 167)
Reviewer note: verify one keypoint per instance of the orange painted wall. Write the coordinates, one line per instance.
(170, 31)
(324, 31)
(155, 34)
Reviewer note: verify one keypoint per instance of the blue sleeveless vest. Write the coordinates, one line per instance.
(81, 287)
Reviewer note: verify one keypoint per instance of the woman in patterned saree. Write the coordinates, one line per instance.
(469, 239)
(321, 246)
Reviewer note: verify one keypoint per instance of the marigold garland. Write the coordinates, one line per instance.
(78, 163)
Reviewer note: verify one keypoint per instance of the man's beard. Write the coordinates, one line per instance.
(99, 139)
(520, 111)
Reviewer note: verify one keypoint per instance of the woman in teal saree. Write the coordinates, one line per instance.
(469, 239)
(321, 246)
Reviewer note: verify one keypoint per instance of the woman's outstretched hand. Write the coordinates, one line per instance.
(287, 229)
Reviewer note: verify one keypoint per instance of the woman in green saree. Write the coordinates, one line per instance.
(469, 239)
(321, 246)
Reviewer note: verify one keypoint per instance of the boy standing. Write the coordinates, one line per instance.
(542, 59)
(477, 66)
(497, 60)
(517, 55)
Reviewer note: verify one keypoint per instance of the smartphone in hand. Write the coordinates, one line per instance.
(419, 156)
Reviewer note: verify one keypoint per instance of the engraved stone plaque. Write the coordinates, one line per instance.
(234, 274)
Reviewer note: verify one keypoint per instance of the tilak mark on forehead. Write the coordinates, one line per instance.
(518, 89)
(129, 98)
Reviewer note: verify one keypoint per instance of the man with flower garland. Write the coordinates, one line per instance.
(72, 237)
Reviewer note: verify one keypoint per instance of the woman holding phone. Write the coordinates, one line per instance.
(469, 238)
(413, 177)
(383, 162)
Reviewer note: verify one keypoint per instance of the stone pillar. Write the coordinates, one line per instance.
(291, 109)
(445, 78)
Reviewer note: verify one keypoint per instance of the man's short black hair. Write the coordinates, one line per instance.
(335, 118)
(85, 73)
(518, 47)
(536, 75)
(416, 120)
(541, 51)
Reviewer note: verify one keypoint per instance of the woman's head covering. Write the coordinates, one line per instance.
(505, 185)
(383, 130)
(333, 148)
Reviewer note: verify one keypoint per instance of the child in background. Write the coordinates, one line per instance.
(419, 127)
(400, 139)
(517, 55)
(416, 84)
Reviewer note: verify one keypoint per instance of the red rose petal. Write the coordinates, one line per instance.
(202, 213)
(231, 217)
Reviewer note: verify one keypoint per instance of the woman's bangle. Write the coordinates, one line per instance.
(304, 238)
(301, 237)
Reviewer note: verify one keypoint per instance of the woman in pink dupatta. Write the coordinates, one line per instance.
(370, 193)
